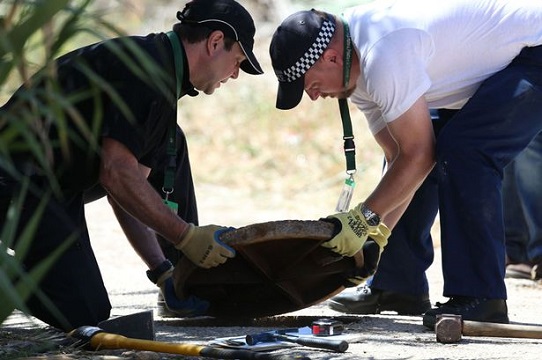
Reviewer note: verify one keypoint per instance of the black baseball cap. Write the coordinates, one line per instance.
(296, 46)
(232, 19)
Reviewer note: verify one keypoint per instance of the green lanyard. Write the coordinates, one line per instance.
(343, 203)
(178, 59)
(171, 150)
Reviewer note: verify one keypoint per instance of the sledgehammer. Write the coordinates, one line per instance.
(97, 339)
(450, 327)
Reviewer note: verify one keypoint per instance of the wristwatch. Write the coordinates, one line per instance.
(371, 217)
(155, 273)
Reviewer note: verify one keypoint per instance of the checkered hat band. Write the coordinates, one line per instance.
(310, 57)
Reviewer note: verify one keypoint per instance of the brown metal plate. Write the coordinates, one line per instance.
(279, 267)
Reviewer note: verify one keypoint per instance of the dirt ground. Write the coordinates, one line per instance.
(385, 336)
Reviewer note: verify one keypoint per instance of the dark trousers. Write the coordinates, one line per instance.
(522, 200)
(73, 285)
(72, 293)
(473, 147)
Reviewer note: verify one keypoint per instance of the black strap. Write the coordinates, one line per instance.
(155, 273)
(171, 150)
(348, 136)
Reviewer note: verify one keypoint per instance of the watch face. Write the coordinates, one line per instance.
(371, 218)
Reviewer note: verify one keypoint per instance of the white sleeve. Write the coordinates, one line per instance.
(395, 72)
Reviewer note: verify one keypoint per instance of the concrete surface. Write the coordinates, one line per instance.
(384, 336)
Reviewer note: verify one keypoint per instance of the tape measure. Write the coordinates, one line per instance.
(327, 327)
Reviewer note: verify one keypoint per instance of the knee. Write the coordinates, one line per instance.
(68, 317)
(90, 317)
(449, 155)
(452, 147)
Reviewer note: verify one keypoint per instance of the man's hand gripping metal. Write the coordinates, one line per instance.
(202, 245)
(354, 233)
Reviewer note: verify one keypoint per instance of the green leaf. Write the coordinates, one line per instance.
(42, 12)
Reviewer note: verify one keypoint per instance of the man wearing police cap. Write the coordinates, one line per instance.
(477, 64)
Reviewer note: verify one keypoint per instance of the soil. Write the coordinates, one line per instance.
(382, 336)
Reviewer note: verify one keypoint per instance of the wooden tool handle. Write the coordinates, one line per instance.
(114, 341)
(477, 328)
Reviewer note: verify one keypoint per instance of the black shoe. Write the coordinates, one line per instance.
(475, 309)
(364, 300)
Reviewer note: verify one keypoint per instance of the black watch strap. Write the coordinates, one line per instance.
(155, 273)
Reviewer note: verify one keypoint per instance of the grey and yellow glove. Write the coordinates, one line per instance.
(202, 245)
(372, 250)
(353, 229)
(354, 232)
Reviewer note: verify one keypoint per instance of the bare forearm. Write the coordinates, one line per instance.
(396, 188)
(139, 199)
(393, 217)
(141, 237)
(126, 182)
(409, 145)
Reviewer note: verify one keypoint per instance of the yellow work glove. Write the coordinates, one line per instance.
(372, 250)
(202, 245)
(353, 230)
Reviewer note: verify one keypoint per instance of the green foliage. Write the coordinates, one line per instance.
(21, 23)
(16, 32)
(15, 282)
(33, 33)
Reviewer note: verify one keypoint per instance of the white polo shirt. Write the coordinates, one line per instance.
(442, 50)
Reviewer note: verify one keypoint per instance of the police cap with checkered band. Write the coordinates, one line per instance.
(296, 46)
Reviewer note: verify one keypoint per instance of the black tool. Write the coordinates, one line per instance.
(321, 343)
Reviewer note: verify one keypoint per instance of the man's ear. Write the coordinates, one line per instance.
(215, 41)
(331, 55)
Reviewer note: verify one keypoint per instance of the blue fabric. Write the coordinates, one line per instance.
(189, 306)
(410, 247)
(522, 194)
(472, 149)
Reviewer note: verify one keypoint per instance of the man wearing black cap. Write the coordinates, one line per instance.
(125, 91)
(479, 64)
